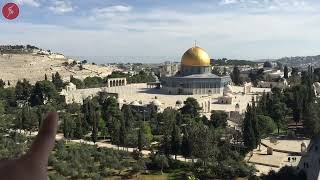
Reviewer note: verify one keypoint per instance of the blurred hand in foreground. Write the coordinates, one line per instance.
(33, 165)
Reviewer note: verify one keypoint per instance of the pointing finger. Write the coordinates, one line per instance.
(44, 142)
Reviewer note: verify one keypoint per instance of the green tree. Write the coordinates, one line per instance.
(57, 81)
(94, 134)
(79, 84)
(113, 116)
(79, 125)
(262, 104)
(219, 119)
(9, 97)
(146, 129)
(201, 138)
(39, 115)
(23, 90)
(142, 77)
(27, 120)
(102, 128)
(312, 120)
(175, 141)
(286, 72)
(123, 133)
(2, 84)
(68, 125)
(295, 77)
(279, 114)
(2, 107)
(248, 132)
(286, 172)
(141, 140)
(235, 76)
(266, 125)
(161, 161)
(255, 122)
(167, 119)
(128, 116)
(42, 92)
(93, 82)
(191, 107)
(186, 146)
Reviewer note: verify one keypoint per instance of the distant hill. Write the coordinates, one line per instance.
(232, 62)
(301, 61)
(17, 49)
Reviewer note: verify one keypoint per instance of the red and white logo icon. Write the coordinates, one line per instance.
(10, 11)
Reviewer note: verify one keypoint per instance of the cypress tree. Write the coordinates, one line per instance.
(255, 123)
(285, 71)
(140, 140)
(297, 109)
(93, 117)
(128, 117)
(122, 133)
(186, 146)
(2, 84)
(52, 78)
(58, 82)
(175, 141)
(236, 76)
(39, 114)
(248, 132)
(65, 128)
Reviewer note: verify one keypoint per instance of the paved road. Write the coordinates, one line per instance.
(145, 153)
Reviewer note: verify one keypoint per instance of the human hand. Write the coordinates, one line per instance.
(33, 165)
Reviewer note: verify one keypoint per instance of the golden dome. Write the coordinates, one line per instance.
(195, 56)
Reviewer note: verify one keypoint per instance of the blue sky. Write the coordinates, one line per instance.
(243, 29)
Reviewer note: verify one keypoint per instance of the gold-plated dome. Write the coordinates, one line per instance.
(195, 56)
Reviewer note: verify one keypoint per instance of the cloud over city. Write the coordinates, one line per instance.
(247, 29)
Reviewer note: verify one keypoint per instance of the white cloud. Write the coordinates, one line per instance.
(61, 7)
(33, 3)
(115, 9)
(110, 11)
(260, 6)
(227, 2)
(231, 34)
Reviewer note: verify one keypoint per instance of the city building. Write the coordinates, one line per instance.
(169, 69)
(195, 76)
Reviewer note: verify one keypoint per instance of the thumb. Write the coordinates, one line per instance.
(44, 142)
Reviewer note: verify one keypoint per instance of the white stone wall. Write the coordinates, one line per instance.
(193, 91)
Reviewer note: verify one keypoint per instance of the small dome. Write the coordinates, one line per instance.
(135, 103)
(195, 56)
(156, 102)
(179, 102)
(120, 100)
(71, 84)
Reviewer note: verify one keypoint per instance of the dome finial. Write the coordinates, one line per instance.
(195, 43)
